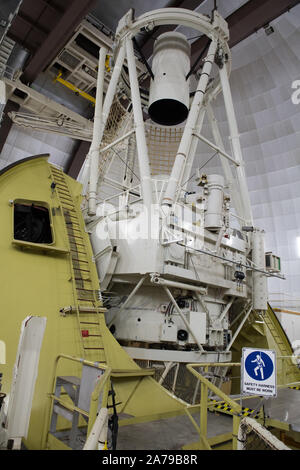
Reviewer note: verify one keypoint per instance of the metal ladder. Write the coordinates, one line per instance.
(87, 305)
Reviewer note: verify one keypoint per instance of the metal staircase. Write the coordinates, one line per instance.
(6, 48)
(87, 304)
(277, 332)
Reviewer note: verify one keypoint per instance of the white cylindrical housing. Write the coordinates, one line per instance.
(260, 290)
(215, 198)
(169, 91)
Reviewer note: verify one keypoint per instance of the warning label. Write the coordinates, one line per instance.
(258, 372)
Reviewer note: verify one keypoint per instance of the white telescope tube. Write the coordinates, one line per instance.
(169, 90)
(184, 147)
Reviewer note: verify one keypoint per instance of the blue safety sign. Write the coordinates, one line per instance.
(258, 372)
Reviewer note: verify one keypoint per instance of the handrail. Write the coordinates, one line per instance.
(205, 385)
(94, 400)
(213, 387)
(205, 405)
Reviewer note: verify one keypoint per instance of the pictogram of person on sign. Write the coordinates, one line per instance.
(260, 366)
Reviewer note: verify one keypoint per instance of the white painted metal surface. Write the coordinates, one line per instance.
(169, 92)
(24, 377)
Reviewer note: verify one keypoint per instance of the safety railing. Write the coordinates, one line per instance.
(206, 385)
(102, 386)
(236, 409)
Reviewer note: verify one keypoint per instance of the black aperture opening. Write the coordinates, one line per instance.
(32, 224)
(168, 112)
(182, 335)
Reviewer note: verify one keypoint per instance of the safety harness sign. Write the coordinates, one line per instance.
(258, 372)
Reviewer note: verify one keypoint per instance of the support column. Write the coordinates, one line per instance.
(97, 135)
(226, 166)
(142, 149)
(236, 146)
(193, 149)
(110, 93)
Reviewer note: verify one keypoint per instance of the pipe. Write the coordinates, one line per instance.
(226, 167)
(130, 159)
(175, 378)
(117, 141)
(193, 148)
(142, 149)
(222, 316)
(185, 143)
(271, 440)
(132, 293)
(239, 329)
(98, 434)
(178, 285)
(215, 147)
(166, 371)
(236, 145)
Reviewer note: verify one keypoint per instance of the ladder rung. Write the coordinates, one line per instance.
(88, 323)
(77, 244)
(79, 260)
(65, 204)
(73, 223)
(94, 336)
(79, 252)
(86, 290)
(59, 178)
(57, 173)
(86, 300)
(65, 190)
(74, 230)
(95, 349)
(60, 181)
(57, 170)
(67, 200)
(72, 215)
(77, 237)
(60, 186)
(66, 196)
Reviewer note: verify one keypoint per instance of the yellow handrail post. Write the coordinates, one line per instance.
(205, 385)
(203, 408)
(235, 430)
